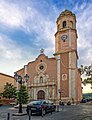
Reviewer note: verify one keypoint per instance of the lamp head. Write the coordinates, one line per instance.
(16, 76)
(19, 79)
(26, 77)
(59, 90)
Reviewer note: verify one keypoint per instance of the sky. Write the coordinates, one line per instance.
(26, 26)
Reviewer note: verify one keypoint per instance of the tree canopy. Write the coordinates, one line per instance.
(87, 70)
(25, 95)
(9, 91)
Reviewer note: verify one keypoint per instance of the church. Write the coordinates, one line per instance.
(56, 78)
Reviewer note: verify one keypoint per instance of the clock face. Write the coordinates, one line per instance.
(64, 37)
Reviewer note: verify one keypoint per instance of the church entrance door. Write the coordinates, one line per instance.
(41, 94)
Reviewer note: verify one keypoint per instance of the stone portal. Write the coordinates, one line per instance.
(41, 94)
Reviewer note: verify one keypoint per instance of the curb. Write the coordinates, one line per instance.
(19, 114)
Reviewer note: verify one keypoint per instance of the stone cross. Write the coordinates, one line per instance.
(42, 51)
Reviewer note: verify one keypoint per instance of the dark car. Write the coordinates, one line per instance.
(39, 106)
(83, 101)
(68, 103)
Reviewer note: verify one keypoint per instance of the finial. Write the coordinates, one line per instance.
(42, 51)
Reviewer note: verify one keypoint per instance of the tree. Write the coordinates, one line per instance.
(25, 95)
(87, 70)
(9, 91)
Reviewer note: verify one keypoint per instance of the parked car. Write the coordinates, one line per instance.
(68, 103)
(61, 103)
(39, 105)
(83, 101)
(1, 102)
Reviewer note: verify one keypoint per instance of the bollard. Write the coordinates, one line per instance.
(29, 114)
(62, 104)
(42, 112)
(8, 116)
(57, 108)
(51, 110)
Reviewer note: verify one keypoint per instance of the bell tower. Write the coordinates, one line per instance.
(66, 54)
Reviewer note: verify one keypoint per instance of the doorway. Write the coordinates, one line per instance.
(41, 94)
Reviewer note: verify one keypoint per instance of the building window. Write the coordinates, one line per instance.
(41, 67)
(64, 76)
(64, 24)
(41, 79)
(40, 60)
(58, 27)
(71, 24)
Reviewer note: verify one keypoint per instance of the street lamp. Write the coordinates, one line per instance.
(18, 79)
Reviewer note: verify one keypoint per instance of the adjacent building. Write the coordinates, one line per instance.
(4, 78)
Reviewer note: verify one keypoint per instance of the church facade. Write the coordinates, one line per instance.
(57, 78)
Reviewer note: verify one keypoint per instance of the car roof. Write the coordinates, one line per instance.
(40, 100)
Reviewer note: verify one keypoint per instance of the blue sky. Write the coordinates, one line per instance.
(26, 26)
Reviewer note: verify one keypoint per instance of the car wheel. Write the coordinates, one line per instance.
(27, 112)
(44, 112)
(54, 109)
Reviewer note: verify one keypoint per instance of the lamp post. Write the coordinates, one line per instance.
(18, 79)
(59, 93)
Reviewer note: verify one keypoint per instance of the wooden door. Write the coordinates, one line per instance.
(41, 94)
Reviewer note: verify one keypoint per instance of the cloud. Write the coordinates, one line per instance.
(38, 22)
(12, 56)
(87, 88)
(9, 48)
(84, 27)
(29, 19)
(10, 14)
(42, 26)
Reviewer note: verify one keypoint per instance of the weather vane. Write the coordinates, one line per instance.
(42, 51)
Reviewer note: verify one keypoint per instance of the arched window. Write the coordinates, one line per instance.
(41, 79)
(41, 95)
(64, 24)
(71, 24)
(58, 26)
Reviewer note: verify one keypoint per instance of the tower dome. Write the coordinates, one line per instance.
(66, 12)
(66, 20)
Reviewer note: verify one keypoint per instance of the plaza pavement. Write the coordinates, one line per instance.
(72, 112)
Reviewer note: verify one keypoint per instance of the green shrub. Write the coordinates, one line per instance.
(1, 101)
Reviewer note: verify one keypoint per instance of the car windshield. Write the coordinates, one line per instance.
(35, 102)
